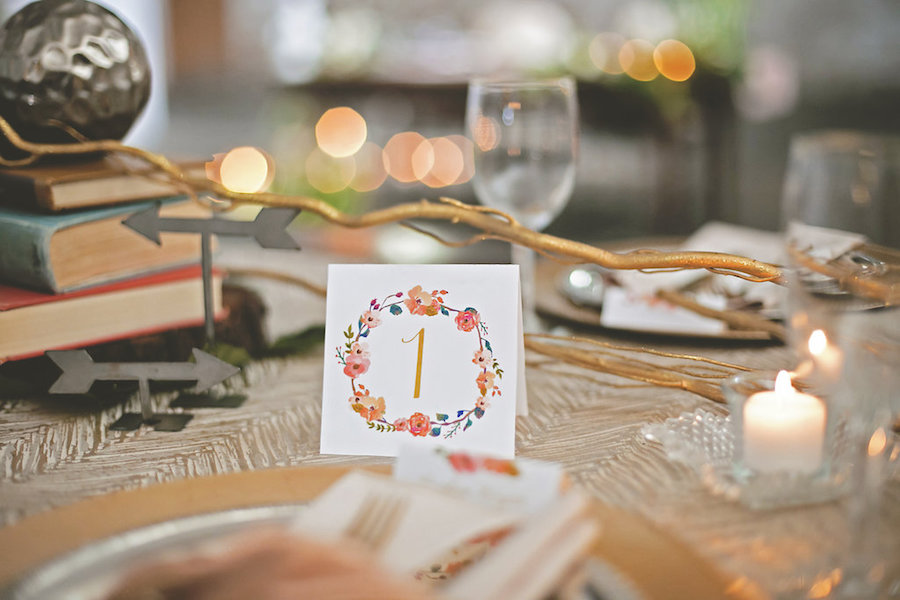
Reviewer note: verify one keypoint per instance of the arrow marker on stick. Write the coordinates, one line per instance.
(79, 372)
(268, 229)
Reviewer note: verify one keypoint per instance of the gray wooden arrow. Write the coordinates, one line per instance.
(79, 372)
(268, 229)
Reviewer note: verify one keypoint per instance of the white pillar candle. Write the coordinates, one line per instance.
(784, 430)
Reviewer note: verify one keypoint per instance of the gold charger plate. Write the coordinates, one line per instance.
(658, 565)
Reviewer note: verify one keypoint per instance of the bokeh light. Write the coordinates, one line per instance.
(398, 155)
(246, 170)
(467, 149)
(213, 167)
(674, 60)
(448, 163)
(329, 174)
(370, 173)
(486, 133)
(770, 87)
(341, 131)
(604, 52)
(422, 159)
(878, 442)
(636, 58)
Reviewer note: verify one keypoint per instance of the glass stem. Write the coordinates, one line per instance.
(525, 258)
(863, 512)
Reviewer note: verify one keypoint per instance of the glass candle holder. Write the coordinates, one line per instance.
(789, 446)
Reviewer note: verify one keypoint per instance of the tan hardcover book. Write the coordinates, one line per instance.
(103, 181)
(33, 322)
(61, 252)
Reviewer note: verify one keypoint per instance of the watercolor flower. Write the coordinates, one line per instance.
(462, 462)
(485, 381)
(401, 424)
(359, 349)
(371, 319)
(503, 467)
(483, 358)
(372, 409)
(355, 365)
(482, 403)
(419, 424)
(467, 319)
(421, 302)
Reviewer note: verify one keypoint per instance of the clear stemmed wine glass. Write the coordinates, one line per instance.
(526, 140)
(841, 212)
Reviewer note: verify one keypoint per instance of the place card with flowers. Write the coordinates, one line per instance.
(426, 353)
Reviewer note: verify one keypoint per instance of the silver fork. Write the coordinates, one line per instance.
(376, 519)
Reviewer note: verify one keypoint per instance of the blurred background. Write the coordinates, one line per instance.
(687, 106)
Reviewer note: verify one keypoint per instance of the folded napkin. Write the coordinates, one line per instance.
(523, 549)
(712, 237)
(432, 522)
(823, 243)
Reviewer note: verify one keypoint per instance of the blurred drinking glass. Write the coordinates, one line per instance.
(526, 140)
(841, 211)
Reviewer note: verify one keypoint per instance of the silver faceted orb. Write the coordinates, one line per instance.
(71, 62)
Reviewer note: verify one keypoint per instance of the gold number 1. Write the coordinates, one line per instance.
(421, 336)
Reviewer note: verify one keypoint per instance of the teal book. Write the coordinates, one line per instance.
(68, 251)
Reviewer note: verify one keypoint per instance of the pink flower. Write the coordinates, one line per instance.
(360, 349)
(401, 424)
(372, 409)
(485, 381)
(421, 302)
(419, 424)
(371, 319)
(467, 320)
(483, 358)
(482, 403)
(355, 365)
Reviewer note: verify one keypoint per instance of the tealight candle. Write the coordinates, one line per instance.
(783, 429)
(825, 355)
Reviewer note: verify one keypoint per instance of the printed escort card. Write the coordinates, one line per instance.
(518, 486)
(424, 354)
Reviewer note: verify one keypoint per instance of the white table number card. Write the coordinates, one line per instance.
(424, 354)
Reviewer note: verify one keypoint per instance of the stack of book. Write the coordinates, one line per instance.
(72, 275)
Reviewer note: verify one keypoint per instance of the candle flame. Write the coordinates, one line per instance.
(783, 383)
(818, 342)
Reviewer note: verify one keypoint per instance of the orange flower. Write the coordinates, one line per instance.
(485, 381)
(421, 302)
(419, 425)
(503, 467)
(372, 408)
(462, 462)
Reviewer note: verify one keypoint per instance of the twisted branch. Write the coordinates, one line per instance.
(492, 223)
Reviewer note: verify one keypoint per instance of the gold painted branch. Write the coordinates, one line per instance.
(492, 223)
(624, 367)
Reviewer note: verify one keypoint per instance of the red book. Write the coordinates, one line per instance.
(32, 322)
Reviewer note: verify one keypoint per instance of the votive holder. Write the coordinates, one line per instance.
(789, 447)
(757, 472)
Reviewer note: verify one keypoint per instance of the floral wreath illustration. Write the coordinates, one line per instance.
(355, 357)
